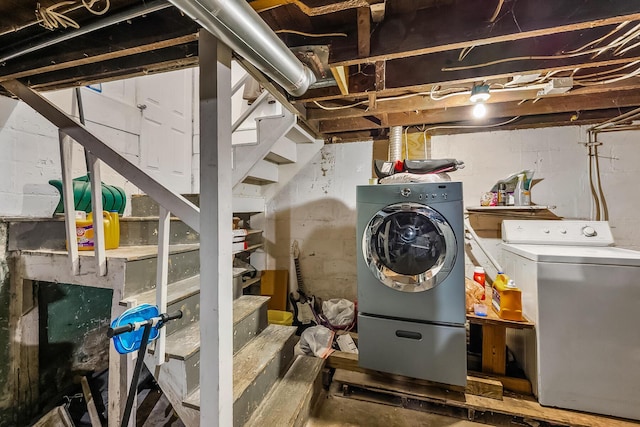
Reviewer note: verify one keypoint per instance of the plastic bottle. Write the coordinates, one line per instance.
(518, 193)
(502, 194)
(480, 277)
(115, 229)
(85, 233)
(507, 298)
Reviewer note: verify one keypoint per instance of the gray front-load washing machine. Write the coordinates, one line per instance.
(411, 297)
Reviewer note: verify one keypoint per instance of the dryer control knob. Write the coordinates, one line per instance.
(589, 231)
(405, 192)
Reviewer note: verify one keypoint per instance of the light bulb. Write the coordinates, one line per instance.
(479, 111)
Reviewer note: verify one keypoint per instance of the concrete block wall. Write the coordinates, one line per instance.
(30, 150)
(559, 156)
(318, 207)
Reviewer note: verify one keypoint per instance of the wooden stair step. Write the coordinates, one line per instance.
(183, 343)
(254, 357)
(246, 305)
(176, 292)
(252, 361)
(290, 401)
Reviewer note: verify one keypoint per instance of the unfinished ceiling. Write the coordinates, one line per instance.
(378, 63)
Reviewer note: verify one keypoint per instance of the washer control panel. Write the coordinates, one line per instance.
(570, 233)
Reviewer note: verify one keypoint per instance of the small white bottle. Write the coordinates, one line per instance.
(518, 193)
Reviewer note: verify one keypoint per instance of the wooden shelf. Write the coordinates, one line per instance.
(250, 248)
(250, 282)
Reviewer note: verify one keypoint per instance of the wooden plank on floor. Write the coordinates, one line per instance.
(516, 385)
(481, 386)
(57, 417)
(526, 408)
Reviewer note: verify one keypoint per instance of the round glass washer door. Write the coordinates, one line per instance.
(409, 247)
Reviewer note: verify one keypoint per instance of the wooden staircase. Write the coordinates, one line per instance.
(262, 354)
(270, 386)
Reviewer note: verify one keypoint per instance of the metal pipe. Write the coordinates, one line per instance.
(238, 26)
(395, 143)
(97, 25)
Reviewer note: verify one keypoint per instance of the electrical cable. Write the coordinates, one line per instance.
(603, 200)
(472, 126)
(302, 33)
(617, 43)
(598, 40)
(604, 82)
(588, 76)
(497, 11)
(594, 194)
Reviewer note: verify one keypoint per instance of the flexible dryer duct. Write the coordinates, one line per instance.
(395, 143)
(238, 26)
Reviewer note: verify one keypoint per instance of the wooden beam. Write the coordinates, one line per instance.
(341, 74)
(381, 75)
(348, 362)
(458, 25)
(555, 104)
(103, 57)
(364, 32)
(422, 101)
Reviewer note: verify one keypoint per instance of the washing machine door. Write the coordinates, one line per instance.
(409, 247)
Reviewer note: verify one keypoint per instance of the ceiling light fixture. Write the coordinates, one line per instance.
(480, 93)
(479, 111)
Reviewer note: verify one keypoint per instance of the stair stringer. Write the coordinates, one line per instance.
(270, 130)
(171, 377)
(286, 172)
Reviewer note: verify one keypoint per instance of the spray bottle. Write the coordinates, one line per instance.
(518, 193)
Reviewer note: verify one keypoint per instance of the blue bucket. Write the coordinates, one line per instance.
(130, 341)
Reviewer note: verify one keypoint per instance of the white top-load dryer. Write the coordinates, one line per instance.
(584, 297)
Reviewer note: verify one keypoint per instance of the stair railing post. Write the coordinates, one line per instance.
(66, 160)
(216, 294)
(96, 208)
(162, 278)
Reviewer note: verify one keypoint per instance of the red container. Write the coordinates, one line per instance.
(479, 276)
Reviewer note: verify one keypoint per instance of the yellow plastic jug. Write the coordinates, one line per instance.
(507, 298)
(115, 228)
(85, 233)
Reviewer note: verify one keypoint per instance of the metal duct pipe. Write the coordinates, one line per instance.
(116, 18)
(395, 143)
(238, 26)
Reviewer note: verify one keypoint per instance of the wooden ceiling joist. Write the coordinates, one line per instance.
(550, 105)
(464, 24)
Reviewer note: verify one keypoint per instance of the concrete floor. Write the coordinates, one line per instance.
(342, 412)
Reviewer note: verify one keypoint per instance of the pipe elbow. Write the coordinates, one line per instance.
(306, 80)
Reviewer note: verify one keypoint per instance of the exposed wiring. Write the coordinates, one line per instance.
(90, 3)
(588, 77)
(617, 44)
(301, 33)
(464, 52)
(596, 41)
(340, 107)
(472, 126)
(603, 200)
(50, 18)
(497, 11)
(391, 98)
(264, 5)
(608, 81)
